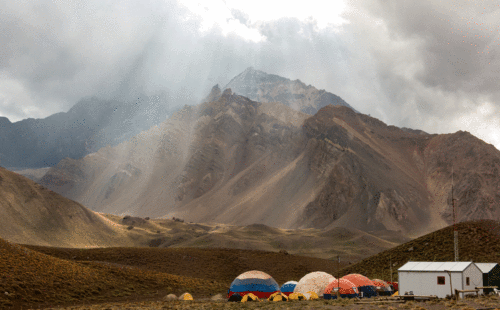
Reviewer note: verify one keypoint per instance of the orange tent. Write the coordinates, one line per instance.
(347, 289)
(365, 286)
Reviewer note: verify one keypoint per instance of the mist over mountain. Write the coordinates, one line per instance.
(262, 87)
(237, 161)
(93, 123)
(90, 124)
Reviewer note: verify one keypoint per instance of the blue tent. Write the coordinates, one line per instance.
(288, 287)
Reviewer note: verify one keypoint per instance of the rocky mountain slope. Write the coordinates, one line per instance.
(89, 125)
(262, 87)
(237, 161)
(32, 214)
(400, 177)
(136, 177)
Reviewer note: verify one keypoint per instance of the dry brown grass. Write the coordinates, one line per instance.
(32, 278)
(74, 276)
(220, 265)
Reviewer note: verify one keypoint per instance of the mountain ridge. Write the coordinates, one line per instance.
(237, 161)
(90, 124)
(32, 214)
(263, 87)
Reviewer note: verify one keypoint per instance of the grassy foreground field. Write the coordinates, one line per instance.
(488, 302)
(32, 279)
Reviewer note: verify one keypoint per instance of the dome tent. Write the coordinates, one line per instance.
(383, 288)
(347, 289)
(249, 297)
(315, 281)
(170, 297)
(186, 296)
(296, 296)
(217, 297)
(311, 295)
(278, 296)
(365, 286)
(288, 287)
(256, 282)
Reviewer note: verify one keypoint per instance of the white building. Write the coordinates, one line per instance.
(433, 278)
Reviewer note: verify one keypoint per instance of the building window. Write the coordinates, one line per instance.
(441, 281)
(467, 281)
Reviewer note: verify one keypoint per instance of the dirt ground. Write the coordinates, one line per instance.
(483, 302)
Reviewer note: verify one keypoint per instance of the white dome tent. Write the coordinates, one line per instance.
(314, 282)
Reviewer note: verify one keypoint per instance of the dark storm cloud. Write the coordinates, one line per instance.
(405, 62)
(60, 53)
(426, 63)
(451, 56)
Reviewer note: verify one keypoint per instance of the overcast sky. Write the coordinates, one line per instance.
(427, 64)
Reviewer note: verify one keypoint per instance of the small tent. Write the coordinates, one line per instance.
(186, 296)
(256, 282)
(383, 288)
(296, 296)
(288, 287)
(365, 286)
(491, 275)
(249, 297)
(315, 282)
(347, 289)
(170, 297)
(311, 295)
(217, 297)
(277, 297)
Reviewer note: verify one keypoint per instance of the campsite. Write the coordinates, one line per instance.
(222, 154)
(155, 278)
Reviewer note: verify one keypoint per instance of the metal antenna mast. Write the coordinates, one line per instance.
(391, 268)
(455, 232)
(338, 277)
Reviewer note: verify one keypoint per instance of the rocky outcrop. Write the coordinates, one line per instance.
(214, 95)
(262, 87)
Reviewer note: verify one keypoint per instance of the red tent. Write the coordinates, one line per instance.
(347, 289)
(365, 286)
(358, 279)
